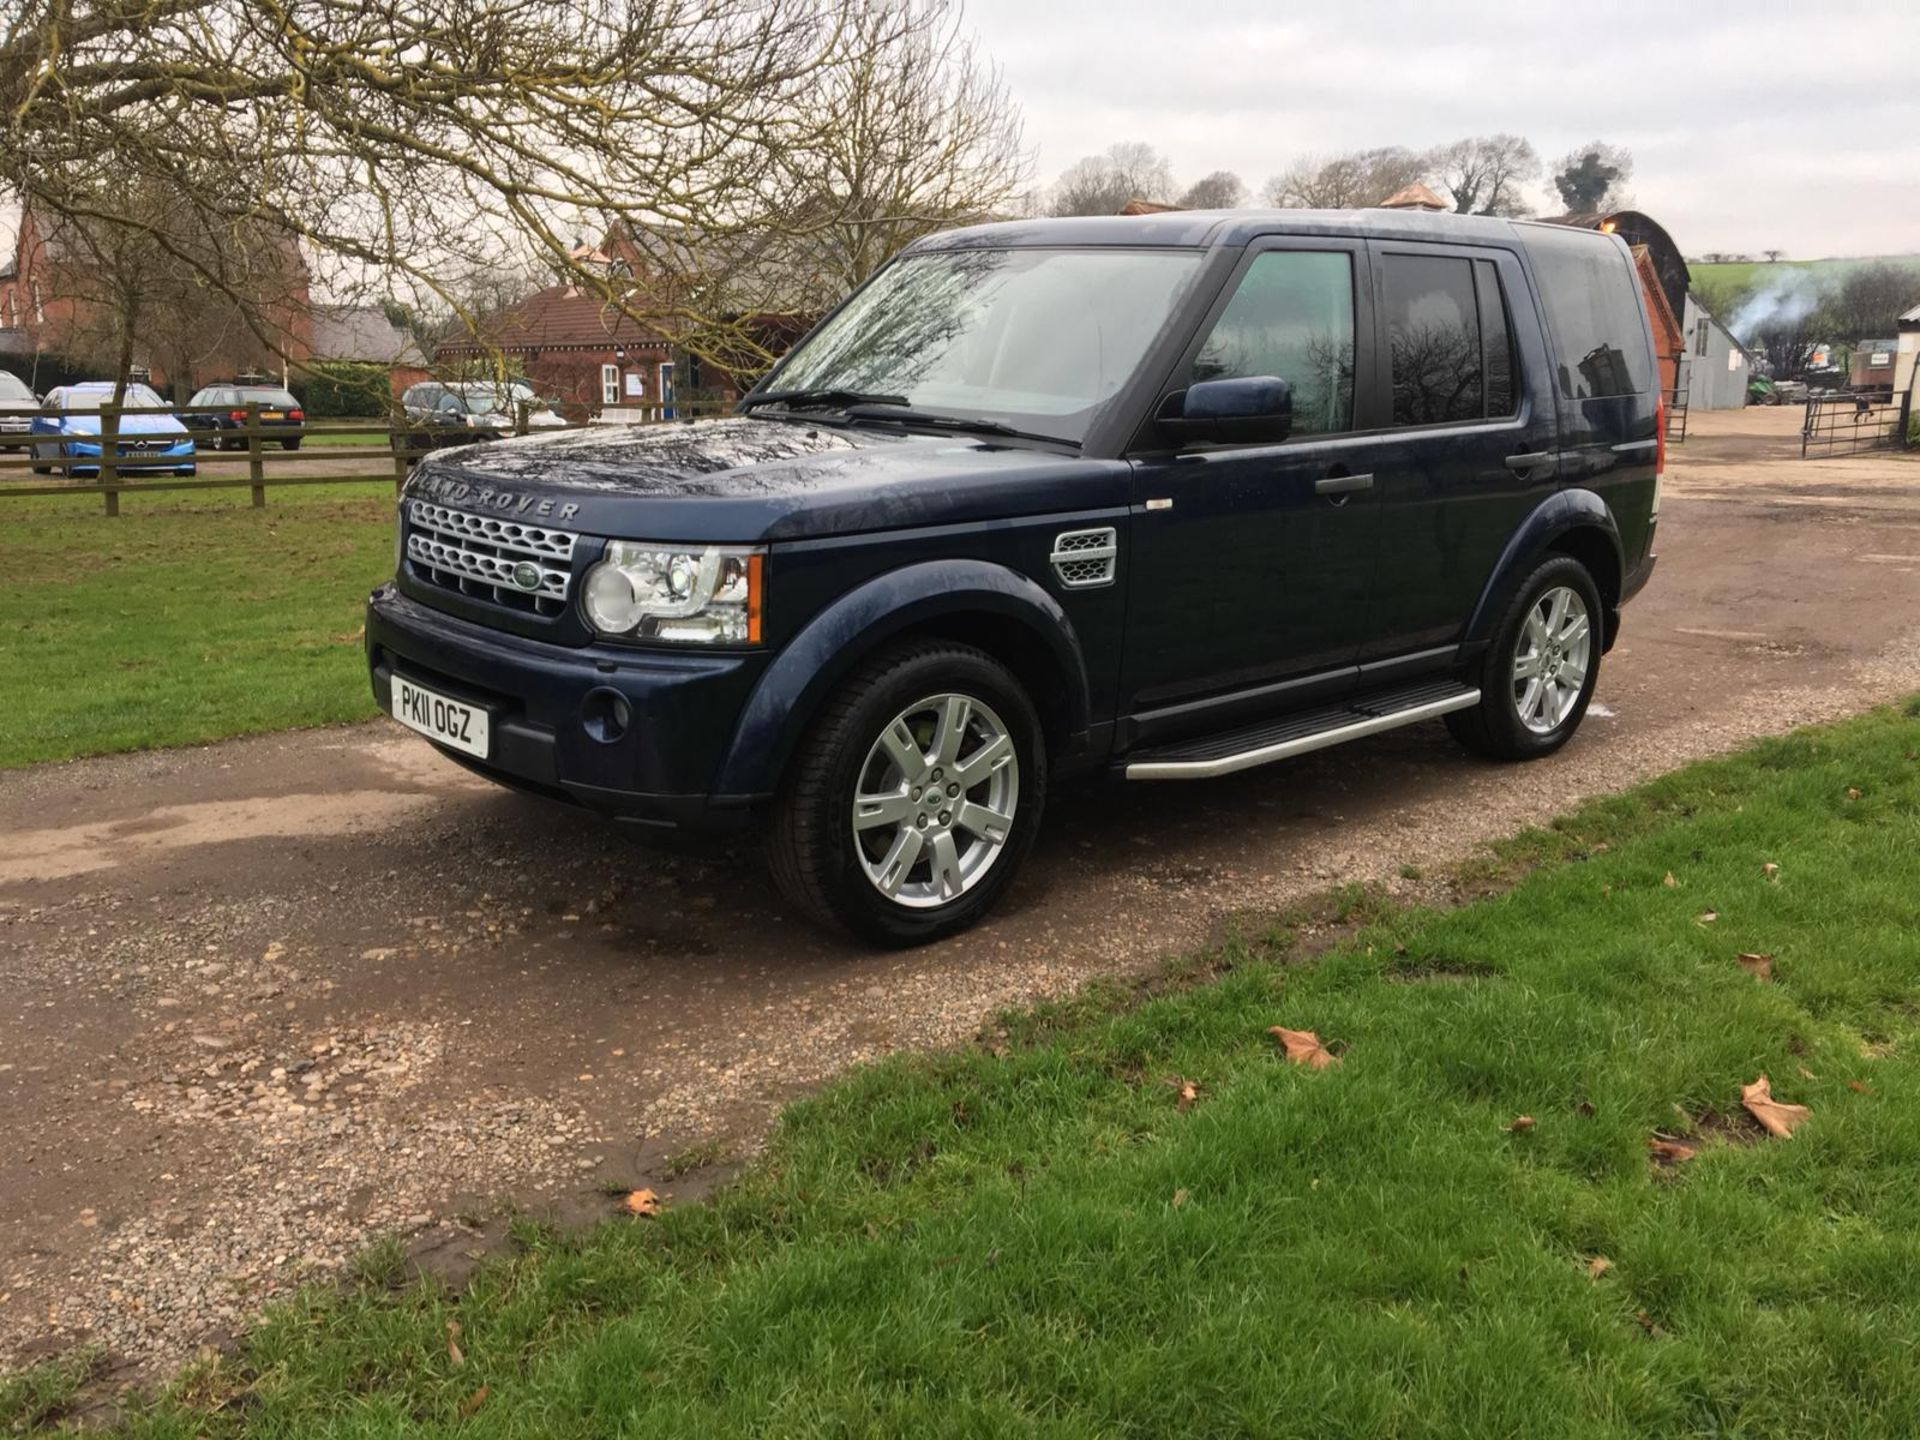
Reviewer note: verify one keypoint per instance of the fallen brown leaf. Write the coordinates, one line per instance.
(1185, 1092)
(474, 1401)
(1806, 1074)
(1670, 1152)
(1758, 966)
(1303, 1047)
(1598, 1266)
(1707, 917)
(1179, 1198)
(1852, 793)
(453, 1344)
(1861, 1086)
(1521, 1124)
(1771, 871)
(642, 1202)
(1776, 1116)
(1670, 882)
(1645, 1322)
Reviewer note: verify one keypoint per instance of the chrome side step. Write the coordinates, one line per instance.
(1300, 734)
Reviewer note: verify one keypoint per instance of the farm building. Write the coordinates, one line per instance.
(1717, 366)
(1906, 358)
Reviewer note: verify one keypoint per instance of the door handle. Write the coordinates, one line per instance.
(1531, 460)
(1342, 484)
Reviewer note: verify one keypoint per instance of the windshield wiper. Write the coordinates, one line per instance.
(896, 412)
(829, 396)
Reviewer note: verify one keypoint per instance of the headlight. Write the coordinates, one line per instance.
(710, 596)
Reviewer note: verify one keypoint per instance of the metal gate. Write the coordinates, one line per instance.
(1851, 424)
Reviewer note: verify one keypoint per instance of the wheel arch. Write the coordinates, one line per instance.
(1576, 523)
(973, 602)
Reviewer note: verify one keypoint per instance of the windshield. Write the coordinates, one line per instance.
(1037, 339)
(138, 397)
(12, 387)
(485, 399)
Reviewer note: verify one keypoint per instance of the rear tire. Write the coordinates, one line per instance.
(945, 753)
(1540, 669)
(289, 444)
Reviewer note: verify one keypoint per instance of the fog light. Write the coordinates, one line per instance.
(605, 715)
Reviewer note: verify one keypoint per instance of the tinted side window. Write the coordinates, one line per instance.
(1594, 311)
(1433, 339)
(1292, 317)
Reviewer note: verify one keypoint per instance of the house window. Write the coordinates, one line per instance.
(1700, 338)
(610, 384)
(39, 310)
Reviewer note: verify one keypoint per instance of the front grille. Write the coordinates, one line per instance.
(522, 567)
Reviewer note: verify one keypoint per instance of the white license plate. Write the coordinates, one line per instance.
(451, 722)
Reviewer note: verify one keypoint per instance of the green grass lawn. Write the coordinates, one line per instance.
(1740, 275)
(1035, 1237)
(187, 618)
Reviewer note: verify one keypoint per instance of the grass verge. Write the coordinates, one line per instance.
(185, 620)
(1052, 1235)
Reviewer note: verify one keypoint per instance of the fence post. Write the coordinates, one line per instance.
(109, 467)
(399, 440)
(256, 461)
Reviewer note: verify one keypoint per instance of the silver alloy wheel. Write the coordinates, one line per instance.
(933, 804)
(1550, 663)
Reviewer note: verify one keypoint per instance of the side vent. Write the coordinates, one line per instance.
(1085, 558)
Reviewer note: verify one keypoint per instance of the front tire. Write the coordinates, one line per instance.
(1540, 669)
(914, 797)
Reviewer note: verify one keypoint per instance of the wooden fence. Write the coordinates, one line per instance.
(330, 452)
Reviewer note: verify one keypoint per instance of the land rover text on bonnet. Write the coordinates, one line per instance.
(1166, 496)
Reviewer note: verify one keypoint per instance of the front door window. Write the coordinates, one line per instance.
(1291, 317)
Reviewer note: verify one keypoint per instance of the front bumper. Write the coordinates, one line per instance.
(555, 712)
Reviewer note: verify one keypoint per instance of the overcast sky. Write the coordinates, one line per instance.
(1749, 131)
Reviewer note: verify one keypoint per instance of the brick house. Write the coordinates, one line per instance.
(580, 348)
(56, 325)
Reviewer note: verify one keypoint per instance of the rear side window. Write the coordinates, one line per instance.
(1594, 312)
(1448, 340)
(1292, 316)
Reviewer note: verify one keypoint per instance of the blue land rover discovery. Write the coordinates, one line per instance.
(1167, 496)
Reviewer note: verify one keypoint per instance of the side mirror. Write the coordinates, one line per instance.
(1248, 409)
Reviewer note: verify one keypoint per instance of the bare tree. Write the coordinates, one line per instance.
(403, 143)
(1222, 190)
(924, 136)
(1101, 184)
(1340, 182)
(1774, 257)
(1487, 174)
(1869, 300)
(155, 287)
(1591, 177)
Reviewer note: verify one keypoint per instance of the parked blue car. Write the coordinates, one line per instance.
(147, 443)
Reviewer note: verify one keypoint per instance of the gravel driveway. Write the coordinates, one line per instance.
(267, 998)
